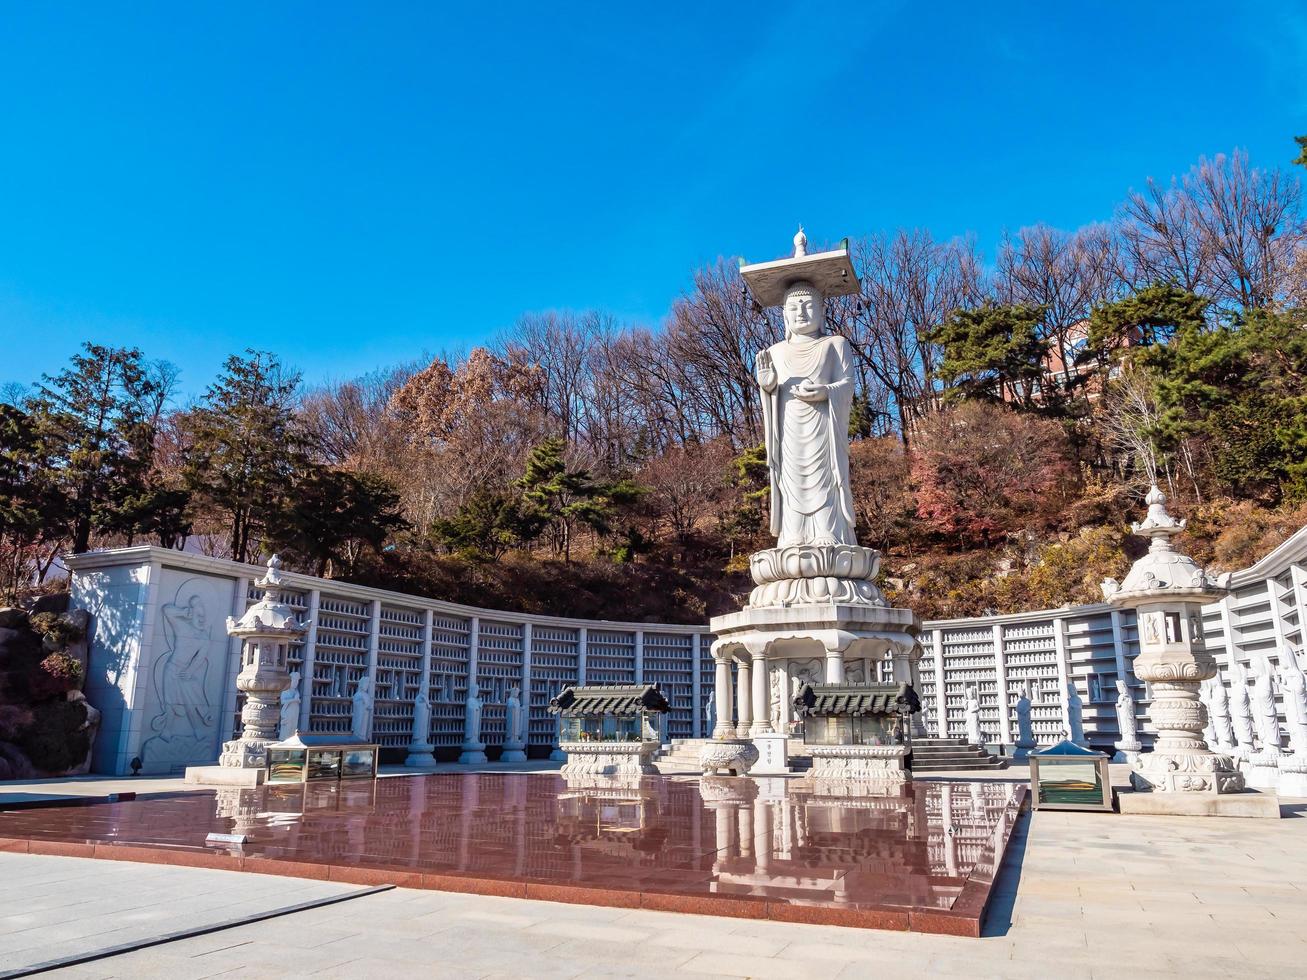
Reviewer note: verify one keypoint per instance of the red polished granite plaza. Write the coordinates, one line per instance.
(923, 857)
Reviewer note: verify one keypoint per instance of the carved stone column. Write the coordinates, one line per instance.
(761, 693)
(723, 727)
(744, 698)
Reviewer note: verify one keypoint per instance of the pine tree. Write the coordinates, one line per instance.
(993, 353)
(247, 447)
(95, 417)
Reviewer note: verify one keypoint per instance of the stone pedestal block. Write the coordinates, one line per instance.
(773, 755)
(474, 754)
(733, 755)
(859, 763)
(610, 758)
(419, 754)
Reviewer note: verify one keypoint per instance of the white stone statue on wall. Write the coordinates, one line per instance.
(1241, 712)
(1218, 702)
(1265, 714)
(291, 705)
(474, 750)
(1128, 746)
(419, 748)
(1075, 714)
(1025, 730)
(515, 727)
(972, 715)
(807, 392)
(361, 710)
(1293, 686)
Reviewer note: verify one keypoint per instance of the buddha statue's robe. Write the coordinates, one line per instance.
(808, 442)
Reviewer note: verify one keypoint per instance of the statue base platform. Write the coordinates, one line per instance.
(609, 758)
(859, 763)
(513, 752)
(773, 755)
(474, 754)
(1022, 750)
(1262, 770)
(1186, 773)
(1293, 776)
(1248, 803)
(419, 754)
(224, 776)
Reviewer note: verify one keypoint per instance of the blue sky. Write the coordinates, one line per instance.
(350, 185)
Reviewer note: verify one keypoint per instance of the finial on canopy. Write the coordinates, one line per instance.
(800, 243)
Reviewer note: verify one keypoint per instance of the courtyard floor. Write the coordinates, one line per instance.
(1081, 895)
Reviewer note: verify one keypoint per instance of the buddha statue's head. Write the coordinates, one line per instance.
(804, 311)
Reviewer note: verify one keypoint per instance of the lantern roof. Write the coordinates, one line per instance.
(1163, 573)
(271, 616)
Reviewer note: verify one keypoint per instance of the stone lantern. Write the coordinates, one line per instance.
(1167, 590)
(266, 632)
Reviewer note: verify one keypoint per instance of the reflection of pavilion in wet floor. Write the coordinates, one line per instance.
(922, 858)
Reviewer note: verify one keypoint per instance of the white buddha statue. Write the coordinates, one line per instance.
(807, 393)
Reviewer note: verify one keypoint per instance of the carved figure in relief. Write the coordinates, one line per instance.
(185, 721)
(776, 683)
(710, 713)
(361, 710)
(807, 392)
(1151, 633)
(291, 705)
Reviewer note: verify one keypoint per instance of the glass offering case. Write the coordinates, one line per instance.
(1067, 776)
(318, 758)
(609, 713)
(855, 714)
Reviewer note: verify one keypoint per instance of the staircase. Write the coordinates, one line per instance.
(681, 756)
(948, 754)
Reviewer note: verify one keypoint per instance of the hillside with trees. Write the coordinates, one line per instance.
(1010, 412)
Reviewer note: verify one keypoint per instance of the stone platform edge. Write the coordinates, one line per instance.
(1249, 804)
(964, 918)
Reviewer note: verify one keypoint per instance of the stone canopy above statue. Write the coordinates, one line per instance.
(830, 273)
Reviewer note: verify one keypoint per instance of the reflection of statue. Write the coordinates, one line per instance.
(1293, 685)
(361, 710)
(807, 391)
(185, 721)
(1075, 716)
(290, 708)
(972, 714)
(1265, 715)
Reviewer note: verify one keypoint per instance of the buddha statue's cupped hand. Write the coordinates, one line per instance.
(809, 391)
(765, 371)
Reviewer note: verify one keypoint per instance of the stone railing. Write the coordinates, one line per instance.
(162, 667)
